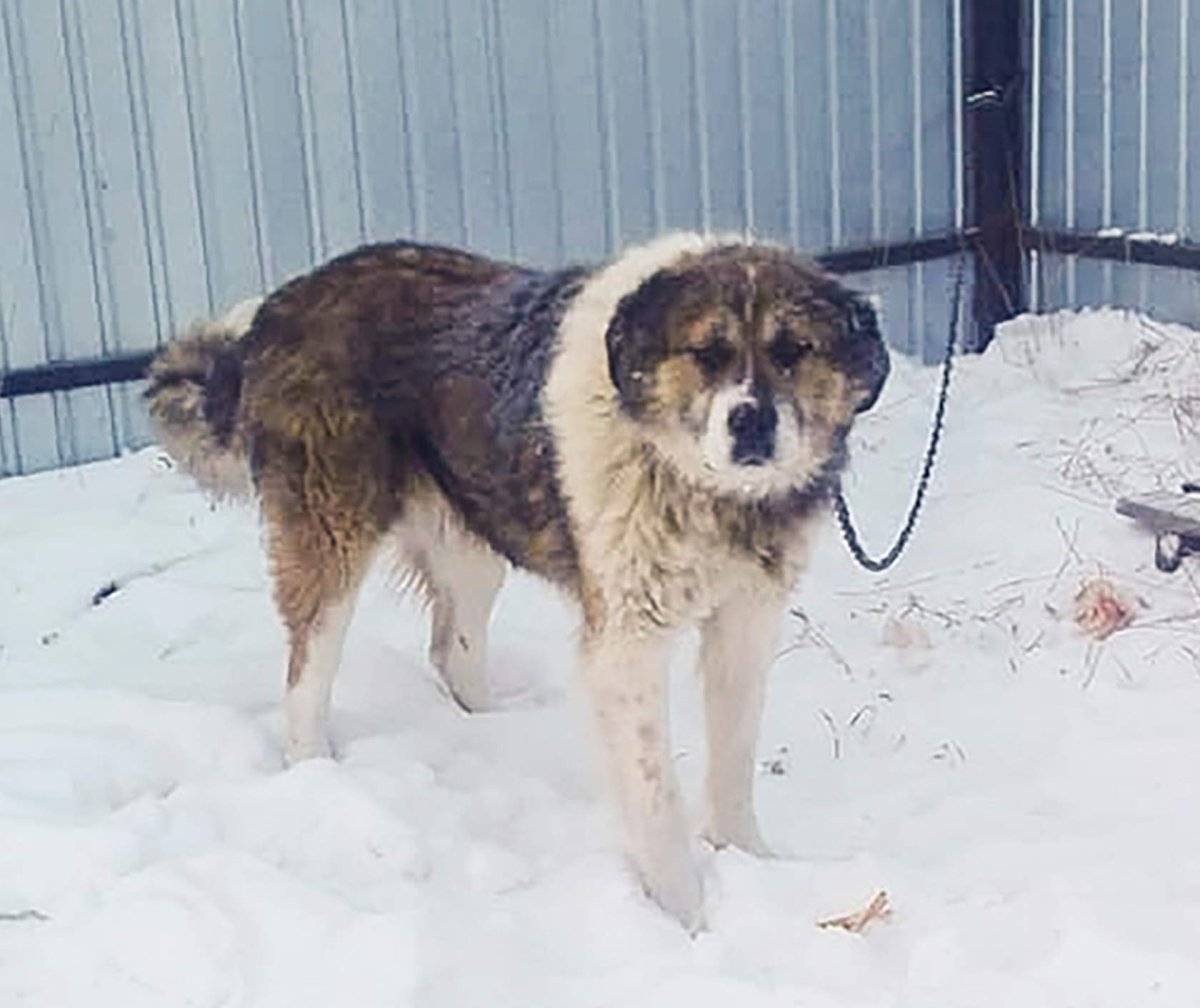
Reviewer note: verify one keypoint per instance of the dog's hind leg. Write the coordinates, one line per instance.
(464, 576)
(736, 646)
(316, 650)
(459, 575)
(319, 549)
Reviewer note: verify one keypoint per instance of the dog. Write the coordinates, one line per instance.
(658, 436)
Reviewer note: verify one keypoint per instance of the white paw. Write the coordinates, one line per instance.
(678, 889)
(742, 834)
(464, 682)
(471, 697)
(308, 747)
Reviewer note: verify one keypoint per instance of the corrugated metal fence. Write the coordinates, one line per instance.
(1115, 131)
(160, 159)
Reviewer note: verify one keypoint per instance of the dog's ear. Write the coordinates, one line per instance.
(637, 337)
(869, 356)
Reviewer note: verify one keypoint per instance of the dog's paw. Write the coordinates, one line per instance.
(677, 888)
(468, 698)
(744, 835)
(466, 685)
(472, 699)
(299, 749)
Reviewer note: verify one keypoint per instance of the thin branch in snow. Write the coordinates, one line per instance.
(818, 637)
(1071, 541)
(1091, 662)
(866, 715)
(834, 734)
(111, 588)
(16, 916)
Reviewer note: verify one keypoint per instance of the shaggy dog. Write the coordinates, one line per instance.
(657, 436)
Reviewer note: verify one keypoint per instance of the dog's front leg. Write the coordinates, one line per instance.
(626, 676)
(737, 642)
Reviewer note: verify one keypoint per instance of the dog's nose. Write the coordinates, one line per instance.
(752, 425)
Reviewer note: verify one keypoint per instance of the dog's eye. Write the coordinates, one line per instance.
(785, 352)
(713, 355)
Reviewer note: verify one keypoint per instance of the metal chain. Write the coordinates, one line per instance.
(842, 509)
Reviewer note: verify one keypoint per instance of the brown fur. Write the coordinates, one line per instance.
(334, 466)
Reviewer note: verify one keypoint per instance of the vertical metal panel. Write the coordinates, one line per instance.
(1180, 299)
(166, 158)
(530, 221)
(285, 185)
(328, 122)
(127, 306)
(35, 423)
(20, 308)
(813, 107)
(677, 187)
(226, 158)
(576, 103)
(1053, 128)
(626, 119)
(852, 135)
(1190, 125)
(93, 416)
(480, 104)
(1035, 40)
(893, 86)
(717, 32)
(935, 68)
(1184, 64)
(9, 462)
(1089, 170)
(1118, 143)
(162, 99)
(1163, 108)
(652, 62)
(381, 110)
(436, 119)
(47, 154)
(941, 70)
(768, 103)
(1124, 182)
(957, 48)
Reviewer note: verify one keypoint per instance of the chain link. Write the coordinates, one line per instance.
(842, 509)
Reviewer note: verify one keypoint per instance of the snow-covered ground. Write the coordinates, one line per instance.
(1028, 796)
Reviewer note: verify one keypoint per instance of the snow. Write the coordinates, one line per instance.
(1029, 797)
(1161, 237)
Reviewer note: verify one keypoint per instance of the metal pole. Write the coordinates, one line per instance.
(994, 115)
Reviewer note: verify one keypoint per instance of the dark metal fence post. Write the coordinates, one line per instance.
(994, 135)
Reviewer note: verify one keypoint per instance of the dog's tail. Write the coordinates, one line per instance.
(195, 386)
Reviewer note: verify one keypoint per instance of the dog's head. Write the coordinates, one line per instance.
(744, 367)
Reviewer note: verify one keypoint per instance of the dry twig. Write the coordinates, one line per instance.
(878, 909)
